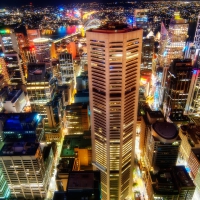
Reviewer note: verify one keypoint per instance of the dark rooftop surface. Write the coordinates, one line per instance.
(81, 181)
(13, 95)
(114, 28)
(19, 149)
(176, 117)
(75, 141)
(170, 181)
(65, 166)
(82, 185)
(75, 106)
(36, 72)
(155, 114)
(165, 129)
(84, 93)
(197, 153)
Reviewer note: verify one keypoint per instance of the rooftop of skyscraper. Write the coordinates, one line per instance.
(165, 130)
(81, 185)
(114, 27)
(155, 114)
(19, 148)
(13, 95)
(37, 72)
(169, 181)
(19, 121)
(75, 106)
(65, 166)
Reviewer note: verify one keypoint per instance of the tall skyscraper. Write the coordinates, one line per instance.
(177, 35)
(177, 85)
(24, 169)
(114, 55)
(42, 49)
(172, 45)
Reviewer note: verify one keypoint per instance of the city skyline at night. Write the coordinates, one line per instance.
(99, 100)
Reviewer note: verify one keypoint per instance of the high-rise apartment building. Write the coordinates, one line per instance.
(21, 126)
(189, 135)
(66, 67)
(76, 118)
(192, 106)
(114, 55)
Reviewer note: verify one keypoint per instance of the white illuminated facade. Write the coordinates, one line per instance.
(66, 67)
(197, 34)
(8, 41)
(114, 56)
(176, 39)
(193, 104)
(24, 170)
(172, 46)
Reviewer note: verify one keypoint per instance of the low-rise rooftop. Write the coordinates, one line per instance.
(75, 141)
(13, 95)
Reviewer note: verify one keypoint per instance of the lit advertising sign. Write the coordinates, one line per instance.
(5, 31)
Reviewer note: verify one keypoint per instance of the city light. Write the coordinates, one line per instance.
(100, 100)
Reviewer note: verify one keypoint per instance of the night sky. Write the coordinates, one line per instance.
(18, 3)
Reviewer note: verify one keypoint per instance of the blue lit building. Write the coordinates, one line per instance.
(21, 126)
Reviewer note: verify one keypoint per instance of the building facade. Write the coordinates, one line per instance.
(114, 55)
(163, 145)
(177, 85)
(23, 168)
(42, 49)
(66, 67)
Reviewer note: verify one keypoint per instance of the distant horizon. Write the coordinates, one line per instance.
(36, 3)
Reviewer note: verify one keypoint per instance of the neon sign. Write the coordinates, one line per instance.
(5, 31)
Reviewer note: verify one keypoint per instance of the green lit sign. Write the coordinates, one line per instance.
(5, 31)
